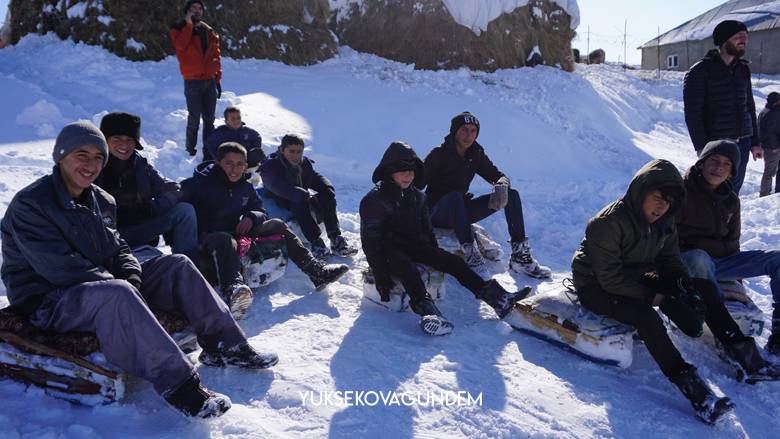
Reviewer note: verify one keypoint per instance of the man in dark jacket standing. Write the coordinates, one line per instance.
(197, 49)
(289, 177)
(227, 207)
(66, 268)
(718, 97)
(396, 233)
(769, 133)
(710, 226)
(148, 204)
(449, 170)
(629, 262)
(235, 130)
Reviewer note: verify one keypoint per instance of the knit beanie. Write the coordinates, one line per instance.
(79, 133)
(122, 124)
(727, 29)
(464, 118)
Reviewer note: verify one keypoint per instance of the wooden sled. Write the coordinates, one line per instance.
(264, 259)
(69, 365)
(556, 316)
(399, 300)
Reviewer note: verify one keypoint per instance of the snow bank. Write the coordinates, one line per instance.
(477, 14)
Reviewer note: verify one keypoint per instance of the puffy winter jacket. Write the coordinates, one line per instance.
(194, 61)
(446, 171)
(769, 127)
(709, 220)
(50, 241)
(139, 190)
(290, 186)
(719, 101)
(391, 218)
(219, 204)
(620, 245)
(245, 136)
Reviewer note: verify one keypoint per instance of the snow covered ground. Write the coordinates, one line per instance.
(570, 142)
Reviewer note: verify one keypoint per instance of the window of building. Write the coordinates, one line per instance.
(671, 62)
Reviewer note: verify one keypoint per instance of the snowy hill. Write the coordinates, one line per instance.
(570, 143)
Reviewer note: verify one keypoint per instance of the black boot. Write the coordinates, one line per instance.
(431, 320)
(707, 405)
(773, 344)
(242, 355)
(322, 274)
(501, 300)
(751, 366)
(192, 399)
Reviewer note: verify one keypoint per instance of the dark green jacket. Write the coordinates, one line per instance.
(620, 245)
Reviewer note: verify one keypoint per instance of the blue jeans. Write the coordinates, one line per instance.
(180, 221)
(201, 96)
(740, 265)
(744, 158)
(453, 211)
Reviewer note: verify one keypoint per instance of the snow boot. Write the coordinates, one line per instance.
(322, 274)
(751, 366)
(239, 299)
(242, 355)
(194, 400)
(707, 405)
(521, 261)
(431, 320)
(501, 300)
(318, 249)
(474, 259)
(340, 247)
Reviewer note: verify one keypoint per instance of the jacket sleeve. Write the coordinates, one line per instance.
(603, 247)
(46, 248)
(488, 170)
(433, 165)
(321, 184)
(427, 226)
(275, 182)
(694, 95)
(751, 107)
(213, 142)
(181, 37)
(254, 148)
(668, 261)
(165, 193)
(372, 226)
(254, 208)
(218, 54)
(731, 243)
(188, 191)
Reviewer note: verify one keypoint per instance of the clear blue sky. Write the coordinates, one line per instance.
(606, 19)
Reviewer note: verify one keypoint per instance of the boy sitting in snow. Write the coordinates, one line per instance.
(228, 208)
(289, 176)
(67, 269)
(396, 233)
(235, 130)
(450, 168)
(629, 262)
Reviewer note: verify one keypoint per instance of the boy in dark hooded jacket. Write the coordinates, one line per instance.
(228, 207)
(396, 233)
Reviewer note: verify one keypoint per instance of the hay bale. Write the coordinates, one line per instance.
(424, 33)
(291, 31)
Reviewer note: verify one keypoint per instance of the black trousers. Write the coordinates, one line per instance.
(402, 265)
(642, 316)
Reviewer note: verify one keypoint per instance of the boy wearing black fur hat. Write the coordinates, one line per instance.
(396, 233)
(449, 170)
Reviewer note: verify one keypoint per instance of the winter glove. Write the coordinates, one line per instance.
(500, 195)
(219, 89)
(686, 312)
(384, 288)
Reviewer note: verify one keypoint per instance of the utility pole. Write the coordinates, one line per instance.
(625, 59)
(760, 62)
(658, 47)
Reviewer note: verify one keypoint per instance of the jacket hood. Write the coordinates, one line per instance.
(726, 148)
(655, 174)
(400, 156)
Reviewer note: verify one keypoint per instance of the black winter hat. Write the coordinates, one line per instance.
(773, 98)
(464, 118)
(725, 30)
(122, 124)
(191, 2)
(726, 148)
